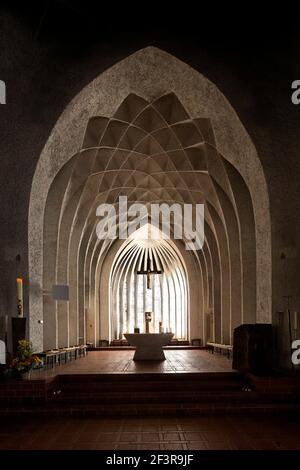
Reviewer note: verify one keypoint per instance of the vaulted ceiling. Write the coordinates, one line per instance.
(151, 152)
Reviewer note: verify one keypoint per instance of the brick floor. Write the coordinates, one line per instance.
(199, 433)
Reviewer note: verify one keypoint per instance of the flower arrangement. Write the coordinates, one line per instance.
(25, 360)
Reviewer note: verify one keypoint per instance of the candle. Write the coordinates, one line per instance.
(295, 320)
(20, 296)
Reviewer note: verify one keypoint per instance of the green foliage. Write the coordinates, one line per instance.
(24, 360)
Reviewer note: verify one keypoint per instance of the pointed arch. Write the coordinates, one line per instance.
(150, 107)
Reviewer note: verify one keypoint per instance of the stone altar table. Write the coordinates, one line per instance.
(149, 346)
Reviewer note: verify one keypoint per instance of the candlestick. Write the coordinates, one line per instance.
(20, 296)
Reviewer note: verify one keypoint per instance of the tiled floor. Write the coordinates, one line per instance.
(109, 362)
(206, 433)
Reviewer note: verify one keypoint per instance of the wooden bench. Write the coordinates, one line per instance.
(49, 358)
(218, 347)
(54, 357)
(82, 350)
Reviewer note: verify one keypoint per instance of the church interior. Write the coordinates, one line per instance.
(146, 341)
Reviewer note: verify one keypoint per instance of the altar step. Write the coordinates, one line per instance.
(151, 410)
(182, 390)
(155, 390)
(124, 343)
(152, 395)
(75, 384)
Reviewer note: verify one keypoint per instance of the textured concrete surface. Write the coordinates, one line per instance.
(150, 73)
(43, 75)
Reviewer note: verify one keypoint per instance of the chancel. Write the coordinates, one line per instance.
(140, 336)
(148, 275)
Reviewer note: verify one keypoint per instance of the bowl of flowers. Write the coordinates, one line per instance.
(24, 361)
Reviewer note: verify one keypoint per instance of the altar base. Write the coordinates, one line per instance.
(149, 346)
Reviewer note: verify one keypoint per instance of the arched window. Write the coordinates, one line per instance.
(162, 291)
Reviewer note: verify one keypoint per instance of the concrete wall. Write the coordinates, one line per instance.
(43, 74)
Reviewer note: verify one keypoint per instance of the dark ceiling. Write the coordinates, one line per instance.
(82, 21)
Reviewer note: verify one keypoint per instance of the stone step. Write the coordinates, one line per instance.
(150, 409)
(130, 394)
(149, 386)
(152, 380)
(179, 397)
(165, 397)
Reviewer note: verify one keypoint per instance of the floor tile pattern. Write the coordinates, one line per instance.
(109, 362)
(199, 433)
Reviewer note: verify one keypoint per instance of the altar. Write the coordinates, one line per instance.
(149, 346)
